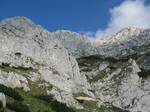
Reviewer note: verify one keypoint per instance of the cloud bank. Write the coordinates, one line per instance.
(128, 14)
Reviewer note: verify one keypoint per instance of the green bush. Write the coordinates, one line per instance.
(144, 73)
(55, 105)
(10, 92)
(60, 107)
(46, 98)
(18, 107)
(1, 105)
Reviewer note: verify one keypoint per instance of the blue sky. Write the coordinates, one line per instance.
(80, 15)
(76, 15)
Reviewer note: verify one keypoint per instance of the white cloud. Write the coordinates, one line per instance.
(128, 14)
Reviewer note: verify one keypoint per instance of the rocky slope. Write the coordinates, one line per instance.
(118, 70)
(28, 53)
(75, 43)
(120, 83)
(108, 75)
(126, 43)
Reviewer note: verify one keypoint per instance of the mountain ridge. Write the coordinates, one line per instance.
(67, 65)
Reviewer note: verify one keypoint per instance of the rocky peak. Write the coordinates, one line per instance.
(19, 22)
(124, 34)
(75, 43)
(31, 53)
(127, 43)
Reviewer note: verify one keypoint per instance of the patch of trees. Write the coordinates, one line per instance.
(18, 107)
(55, 105)
(10, 92)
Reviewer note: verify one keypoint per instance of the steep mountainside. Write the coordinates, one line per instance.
(128, 42)
(63, 71)
(29, 54)
(75, 43)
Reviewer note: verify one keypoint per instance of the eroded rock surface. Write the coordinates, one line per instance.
(30, 53)
(117, 82)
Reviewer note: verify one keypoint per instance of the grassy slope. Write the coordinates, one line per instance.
(45, 105)
(34, 104)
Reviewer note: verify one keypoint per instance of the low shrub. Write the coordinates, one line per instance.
(18, 107)
(55, 105)
(10, 92)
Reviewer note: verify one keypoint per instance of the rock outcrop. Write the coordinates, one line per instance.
(117, 82)
(30, 53)
(75, 43)
(128, 42)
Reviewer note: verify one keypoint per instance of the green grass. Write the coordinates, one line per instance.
(10, 92)
(30, 101)
(90, 105)
(80, 94)
(110, 109)
(33, 103)
(99, 76)
(6, 110)
(86, 64)
(38, 101)
(19, 70)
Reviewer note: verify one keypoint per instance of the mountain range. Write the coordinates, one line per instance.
(64, 71)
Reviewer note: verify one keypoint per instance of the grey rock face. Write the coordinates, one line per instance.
(75, 43)
(117, 82)
(129, 42)
(28, 52)
(123, 85)
(14, 80)
(113, 81)
(125, 43)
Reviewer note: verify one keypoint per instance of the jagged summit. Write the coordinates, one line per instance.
(128, 41)
(124, 34)
(29, 47)
(19, 22)
(75, 43)
(70, 34)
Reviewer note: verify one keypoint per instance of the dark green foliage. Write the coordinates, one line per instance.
(46, 98)
(18, 107)
(96, 59)
(80, 94)
(88, 61)
(60, 107)
(56, 106)
(92, 60)
(18, 54)
(144, 73)
(99, 76)
(2, 110)
(1, 105)
(19, 70)
(10, 92)
(29, 69)
(110, 109)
